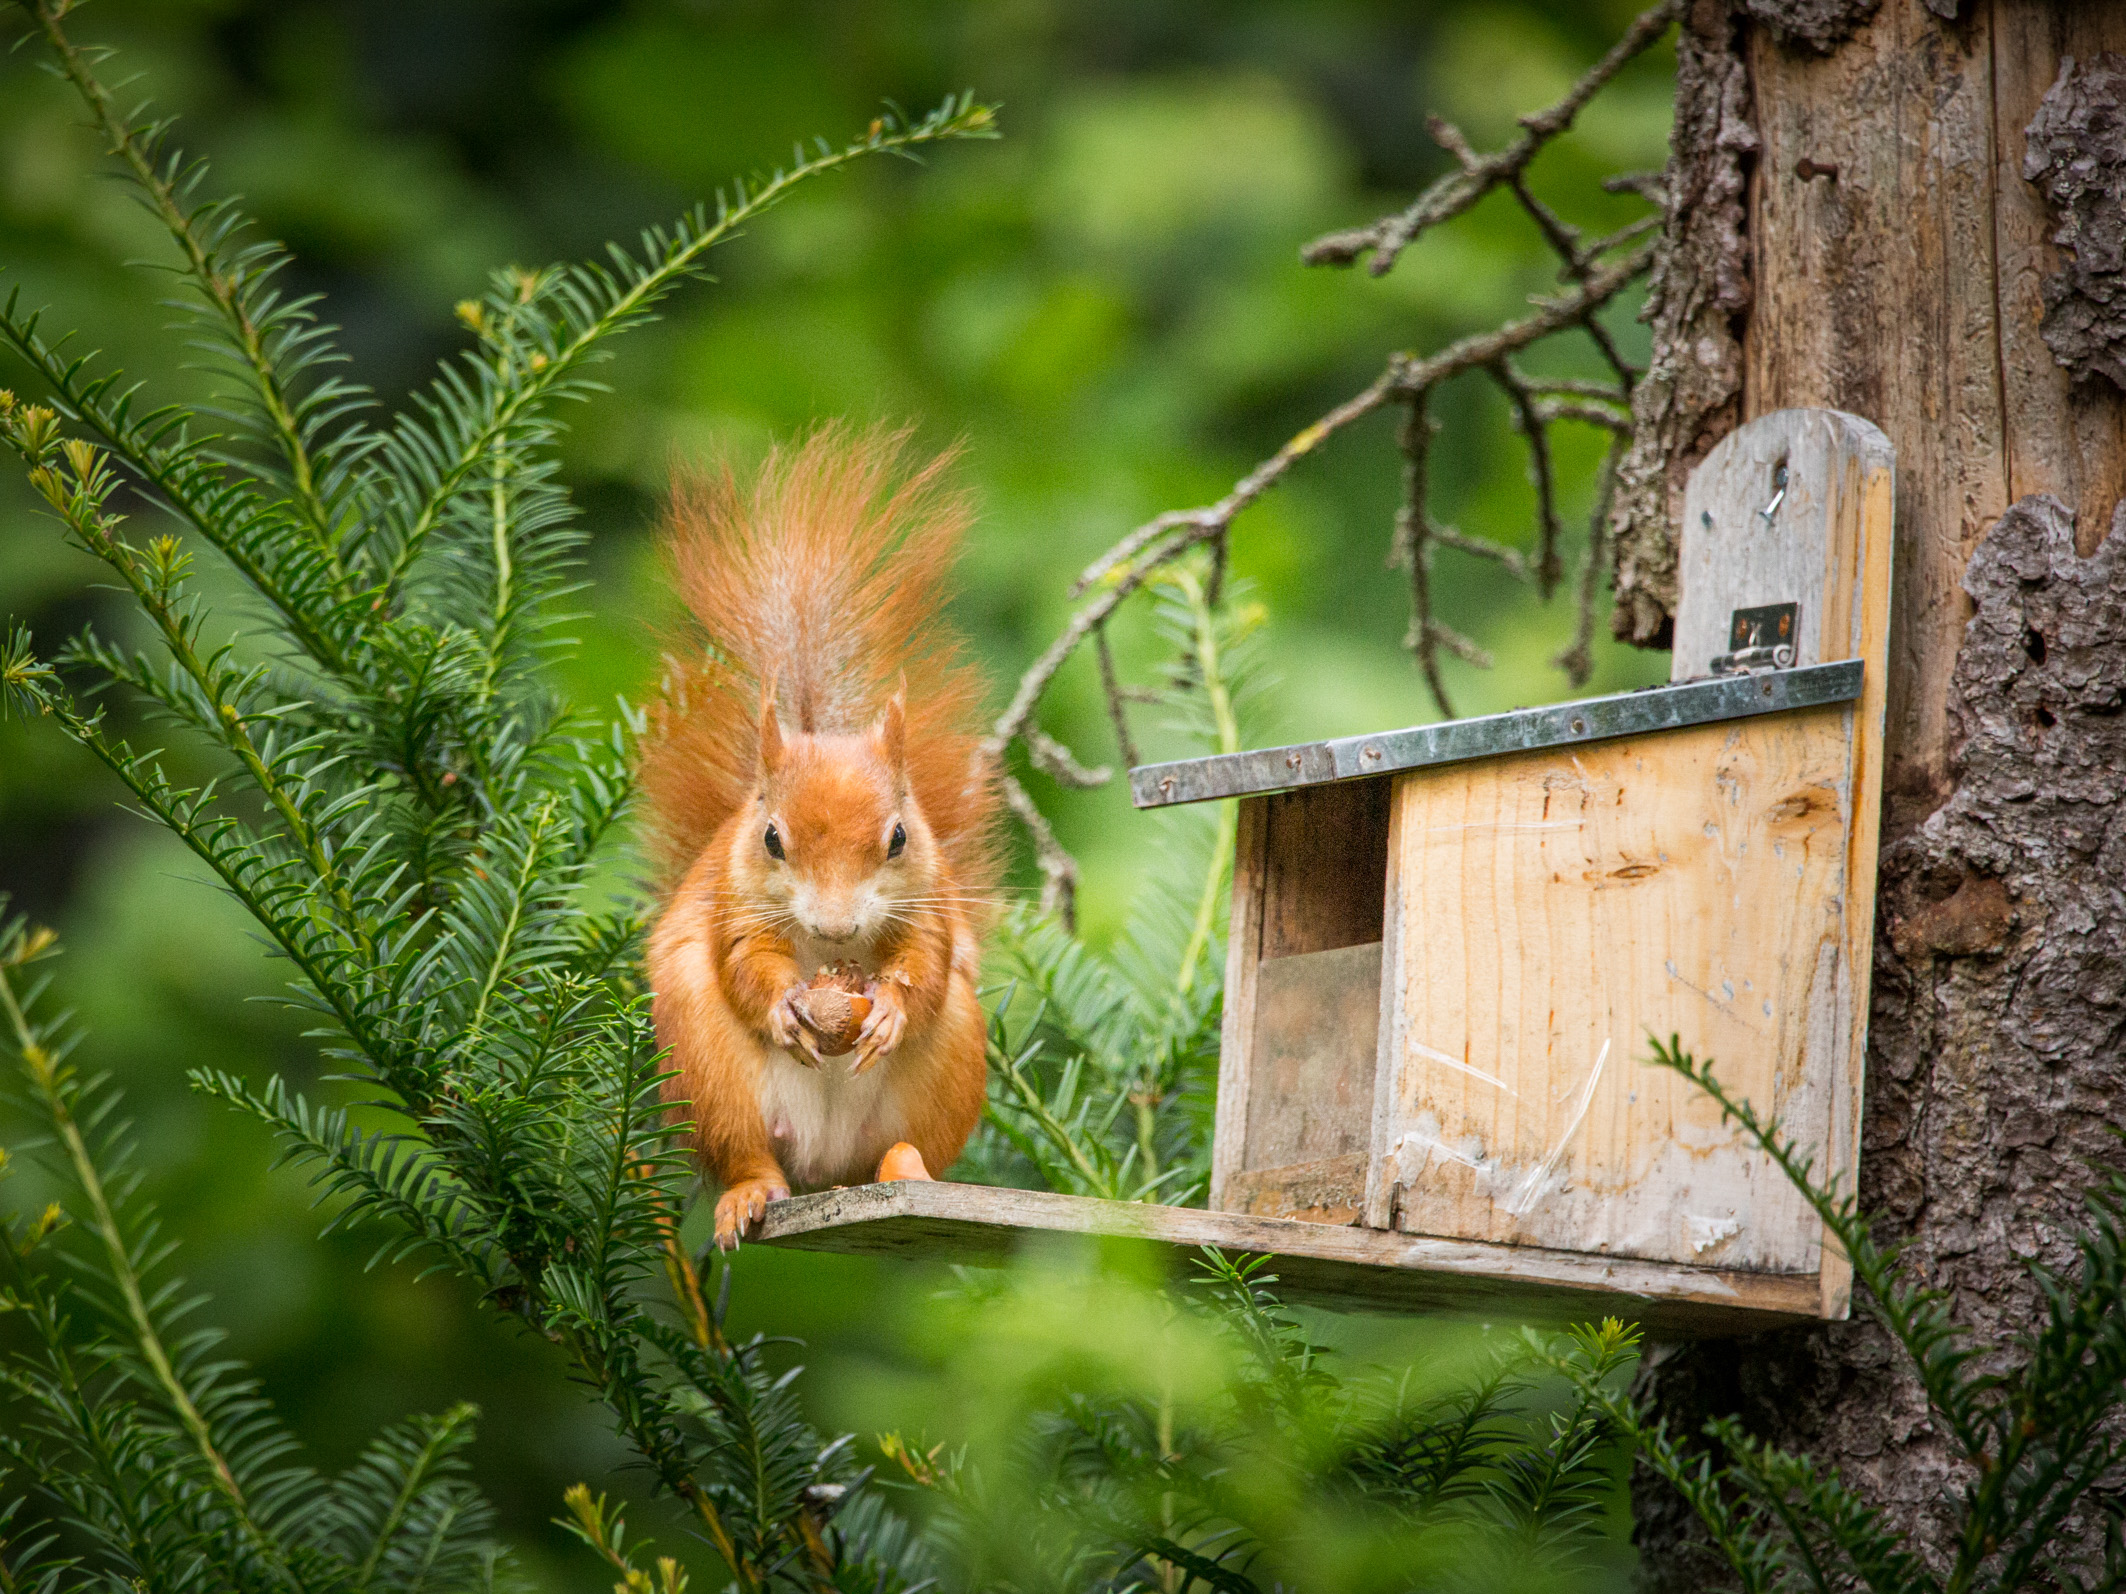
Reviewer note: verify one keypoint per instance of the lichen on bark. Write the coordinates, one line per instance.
(2075, 151)
(1995, 1065)
(1819, 25)
(1691, 393)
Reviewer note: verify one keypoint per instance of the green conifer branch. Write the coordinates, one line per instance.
(185, 477)
(596, 304)
(228, 288)
(77, 491)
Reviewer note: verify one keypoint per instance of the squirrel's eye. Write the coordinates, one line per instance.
(897, 840)
(774, 841)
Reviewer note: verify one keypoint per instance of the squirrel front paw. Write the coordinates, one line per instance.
(739, 1208)
(883, 1030)
(786, 1026)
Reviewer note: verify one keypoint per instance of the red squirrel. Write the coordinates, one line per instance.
(818, 775)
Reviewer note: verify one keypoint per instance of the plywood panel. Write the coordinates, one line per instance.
(1317, 1027)
(1325, 863)
(1560, 907)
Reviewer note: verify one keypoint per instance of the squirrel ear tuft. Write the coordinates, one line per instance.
(770, 734)
(892, 731)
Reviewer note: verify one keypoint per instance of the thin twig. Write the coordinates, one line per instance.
(1413, 534)
(1549, 532)
(1111, 685)
(1572, 409)
(1580, 387)
(1476, 175)
(1577, 659)
(1059, 870)
(1595, 273)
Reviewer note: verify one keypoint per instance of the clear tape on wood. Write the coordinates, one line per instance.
(1445, 1061)
(1427, 1144)
(1532, 1187)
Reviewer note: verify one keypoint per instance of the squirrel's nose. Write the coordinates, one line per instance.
(835, 929)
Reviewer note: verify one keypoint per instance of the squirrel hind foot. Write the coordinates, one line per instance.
(901, 1161)
(739, 1209)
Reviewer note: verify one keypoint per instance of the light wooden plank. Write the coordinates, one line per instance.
(1833, 533)
(1243, 952)
(1807, 552)
(1397, 938)
(1867, 503)
(1563, 909)
(1315, 1263)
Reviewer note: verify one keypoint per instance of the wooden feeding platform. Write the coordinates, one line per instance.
(1451, 947)
(1347, 1267)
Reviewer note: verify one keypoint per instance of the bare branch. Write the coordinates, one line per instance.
(1579, 386)
(1577, 659)
(1552, 315)
(1650, 186)
(1461, 647)
(1059, 763)
(1549, 533)
(1570, 409)
(1125, 567)
(1595, 271)
(1117, 698)
(1413, 536)
(1059, 870)
(1476, 175)
(1561, 235)
(1623, 235)
(1515, 562)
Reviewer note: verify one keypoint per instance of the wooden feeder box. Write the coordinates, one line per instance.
(1452, 945)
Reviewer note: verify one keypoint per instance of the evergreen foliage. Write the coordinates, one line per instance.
(2037, 1423)
(1219, 1446)
(414, 821)
(149, 1462)
(410, 816)
(1104, 1064)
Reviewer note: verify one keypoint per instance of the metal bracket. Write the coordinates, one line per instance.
(1759, 639)
(1595, 719)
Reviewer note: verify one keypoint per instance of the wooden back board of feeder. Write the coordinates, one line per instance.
(1451, 946)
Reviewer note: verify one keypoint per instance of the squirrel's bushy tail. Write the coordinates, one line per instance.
(823, 576)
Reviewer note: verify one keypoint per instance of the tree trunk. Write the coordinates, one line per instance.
(1934, 217)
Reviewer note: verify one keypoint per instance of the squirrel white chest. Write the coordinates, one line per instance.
(829, 1126)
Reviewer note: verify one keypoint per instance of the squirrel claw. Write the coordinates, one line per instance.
(739, 1209)
(882, 1031)
(786, 1028)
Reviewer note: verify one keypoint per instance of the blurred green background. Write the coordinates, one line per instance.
(1106, 308)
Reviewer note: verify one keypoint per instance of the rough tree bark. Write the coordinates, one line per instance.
(1932, 233)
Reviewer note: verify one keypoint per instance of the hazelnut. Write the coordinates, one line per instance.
(834, 1007)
